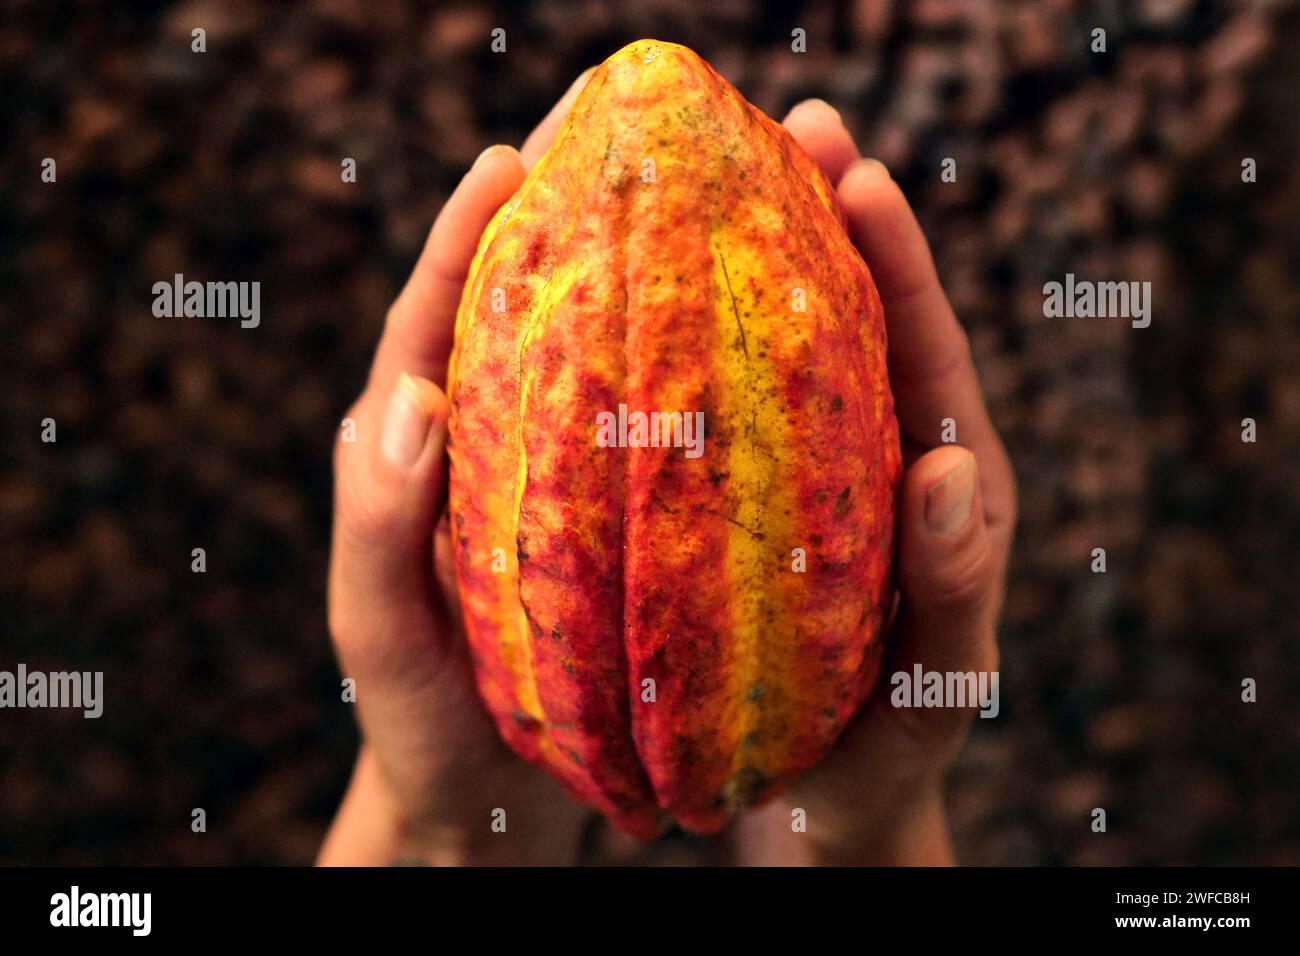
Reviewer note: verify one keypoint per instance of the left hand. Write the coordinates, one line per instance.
(877, 796)
(432, 770)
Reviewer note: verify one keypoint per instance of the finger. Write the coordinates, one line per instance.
(387, 491)
(414, 682)
(819, 129)
(946, 571)
(930, 366)
(948, 580)
(948, 577)
(929, 356)
(418, 332)
(540, 139)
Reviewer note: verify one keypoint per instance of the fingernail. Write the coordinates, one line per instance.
(948, 502)
(410, 414)
(870, 162)
(818, 101)
(581, 81)
(481, 156)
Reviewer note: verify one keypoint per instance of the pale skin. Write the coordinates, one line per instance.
(432, 771)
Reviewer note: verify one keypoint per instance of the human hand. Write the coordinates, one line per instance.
(877, 798)
(431, 769)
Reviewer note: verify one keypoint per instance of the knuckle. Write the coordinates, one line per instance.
(966, 584)
(343, 629)
(366, 520)
(1013, 508)
(393, 316)
(366, 517)
(353, 625)
(949, 361)
(930, 735)
(987, 656)
(1004, 502)
(345, 438)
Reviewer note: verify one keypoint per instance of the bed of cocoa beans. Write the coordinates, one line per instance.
(1119, 690)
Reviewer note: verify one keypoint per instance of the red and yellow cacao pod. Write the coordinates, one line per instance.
(674, 633)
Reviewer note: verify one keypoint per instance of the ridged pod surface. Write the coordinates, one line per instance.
(674, 250)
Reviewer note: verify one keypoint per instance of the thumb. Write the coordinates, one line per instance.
(947, 573)
(415, 693)
(388, 488)
(948, 582)
(892, 755)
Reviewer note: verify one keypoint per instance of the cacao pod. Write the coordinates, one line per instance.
(673, 632)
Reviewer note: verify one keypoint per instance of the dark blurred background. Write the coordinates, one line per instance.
(1119, 690)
